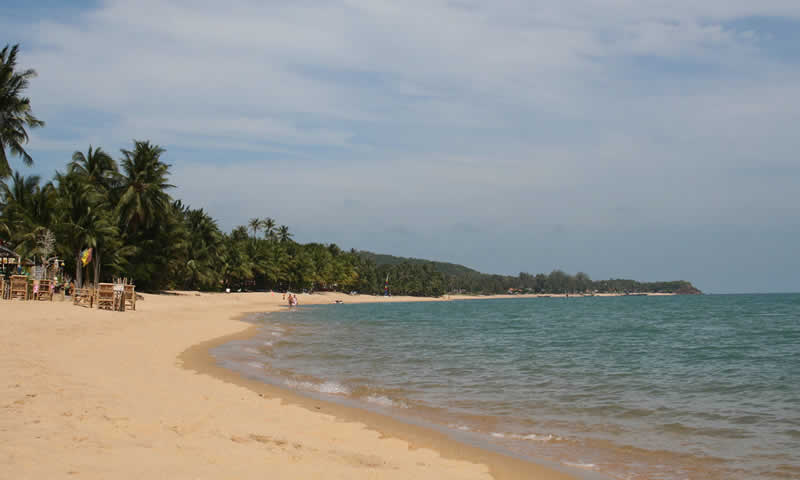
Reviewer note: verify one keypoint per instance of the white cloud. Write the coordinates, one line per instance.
(553, 112)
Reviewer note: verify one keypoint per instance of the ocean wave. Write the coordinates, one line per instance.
(535, 437)
(539, 438)
(457, 426)
(585, 466)
(331, 388)
(385, 401)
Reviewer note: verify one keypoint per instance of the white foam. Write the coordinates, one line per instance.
(385, 401)
(268, 344)
(463, 428)
(299, 385)
(538, 438)
(333, 387)
(255, 364)
(585, 466)
(325, 387)
(251, 350)
(276, 334)
(532, 436)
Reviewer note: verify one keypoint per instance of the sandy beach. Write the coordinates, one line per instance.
(98, 394)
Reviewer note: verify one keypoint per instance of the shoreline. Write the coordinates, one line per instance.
(502, 465)
(100, 394)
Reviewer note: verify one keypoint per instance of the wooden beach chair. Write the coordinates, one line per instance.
(105, 296)
(130, 296)
(45, 291)
(19, 287)
(83, 297)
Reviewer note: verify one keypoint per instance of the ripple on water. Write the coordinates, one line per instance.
(700, 385)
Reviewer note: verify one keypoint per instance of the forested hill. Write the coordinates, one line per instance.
(458, 278)
(442, 267)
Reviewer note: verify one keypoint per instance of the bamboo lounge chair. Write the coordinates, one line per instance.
(83, 296)
(130, 296)
(105, 296)
(45, 291)
(19, 287)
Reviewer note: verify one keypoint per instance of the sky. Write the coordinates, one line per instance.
(645, 139)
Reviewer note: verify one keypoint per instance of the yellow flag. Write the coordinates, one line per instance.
(86, 256)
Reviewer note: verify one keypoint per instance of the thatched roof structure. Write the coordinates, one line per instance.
(10, 257)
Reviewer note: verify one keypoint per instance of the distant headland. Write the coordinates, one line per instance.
(419, 277)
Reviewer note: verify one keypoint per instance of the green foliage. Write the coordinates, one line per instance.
(137, 230)
(461, 279)
(15, 110)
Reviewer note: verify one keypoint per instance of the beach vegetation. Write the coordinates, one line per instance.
(123, 210)
(16, 115)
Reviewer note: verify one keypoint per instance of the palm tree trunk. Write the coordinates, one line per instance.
(97, 266)
(78, 271)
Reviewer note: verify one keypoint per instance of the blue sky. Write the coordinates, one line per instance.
(648, 139)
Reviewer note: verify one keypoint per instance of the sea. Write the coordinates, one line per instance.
(667, 388)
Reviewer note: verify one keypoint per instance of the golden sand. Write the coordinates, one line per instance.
(105, 395)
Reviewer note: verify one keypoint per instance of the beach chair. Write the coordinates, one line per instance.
(105, 296)
(83, 297)
(45, 291)
(130, 296)
(19, 287)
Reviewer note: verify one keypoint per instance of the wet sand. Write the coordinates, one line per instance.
(97, 394)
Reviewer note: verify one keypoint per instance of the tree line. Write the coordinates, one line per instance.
(123, 211)
(460, 279)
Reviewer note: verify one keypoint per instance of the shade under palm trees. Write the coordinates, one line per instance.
(15, 110)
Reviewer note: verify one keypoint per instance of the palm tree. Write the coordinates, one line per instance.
(82, 222)
(143, 196)
(236, 265)
(283, 234)
(99, 173)
(17, 196)
(26, 209)
(96, 167)
(203, 250)
(268, 224)
(255, 226)
(15, 110)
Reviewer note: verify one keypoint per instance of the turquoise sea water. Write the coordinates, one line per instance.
(700, 387)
